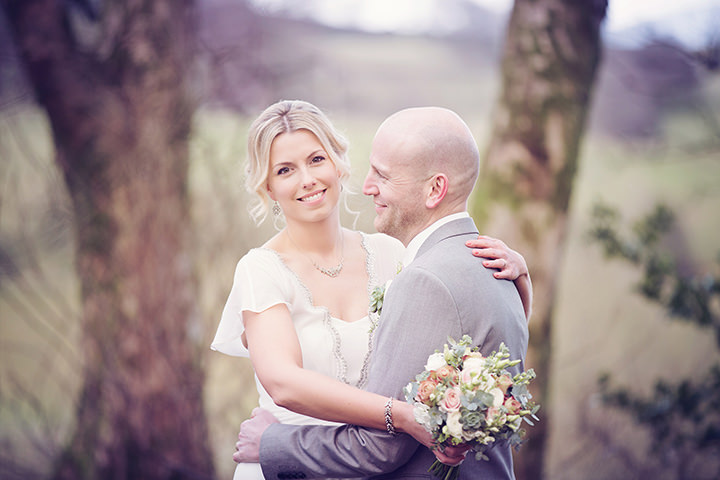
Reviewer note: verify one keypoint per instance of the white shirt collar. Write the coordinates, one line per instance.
(414, 245)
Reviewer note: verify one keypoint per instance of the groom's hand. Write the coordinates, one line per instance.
(247, 448)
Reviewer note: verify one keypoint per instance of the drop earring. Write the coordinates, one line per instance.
(276, 209)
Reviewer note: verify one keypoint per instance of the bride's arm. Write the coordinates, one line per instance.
(277, 359)
(511, 266)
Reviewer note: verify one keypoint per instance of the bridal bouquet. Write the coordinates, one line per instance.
(464, 397)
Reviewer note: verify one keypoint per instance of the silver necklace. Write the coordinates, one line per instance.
(332, 271)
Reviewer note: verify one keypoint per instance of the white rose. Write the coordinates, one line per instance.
(421, 413)
(472, 370)
(473, 364)
(454, 427)
(498, 396)
(435, 361)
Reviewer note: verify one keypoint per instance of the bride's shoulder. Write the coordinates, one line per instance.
(259, 257)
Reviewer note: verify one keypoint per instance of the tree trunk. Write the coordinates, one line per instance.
(116, 97)
(549, 63)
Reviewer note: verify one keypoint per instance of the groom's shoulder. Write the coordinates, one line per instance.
(450, 251)
(453, 263)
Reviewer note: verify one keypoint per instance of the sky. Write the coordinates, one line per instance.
(626, 13)
(413, 16)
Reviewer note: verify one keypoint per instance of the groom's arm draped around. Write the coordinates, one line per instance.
(441, 293)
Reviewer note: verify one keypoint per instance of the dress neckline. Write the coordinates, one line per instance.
(369, 269)
(340, 361)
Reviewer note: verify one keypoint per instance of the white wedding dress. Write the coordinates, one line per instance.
(329, 345)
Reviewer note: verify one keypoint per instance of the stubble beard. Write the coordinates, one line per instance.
(399, 225)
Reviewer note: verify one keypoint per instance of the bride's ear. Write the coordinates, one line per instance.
(270, 193)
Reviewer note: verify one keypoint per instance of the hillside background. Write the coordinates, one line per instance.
(654, 136)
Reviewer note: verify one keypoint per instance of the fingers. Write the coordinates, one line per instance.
(483, 241)
(262, 414)
(499, 263)
(245, 456)
(506, 270)
(511, 264)
(451, 455)
(457, 451)
(246, 452)
(244, 425)
(491, 253)
(448, 458)
(482, 245)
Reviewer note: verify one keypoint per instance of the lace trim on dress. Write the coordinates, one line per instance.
(340, 361)
(374, 317)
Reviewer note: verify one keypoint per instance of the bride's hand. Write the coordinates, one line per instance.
(510, 263)
(404, 420)
(452, 456)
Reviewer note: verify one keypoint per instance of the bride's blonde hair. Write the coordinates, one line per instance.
(283, 117)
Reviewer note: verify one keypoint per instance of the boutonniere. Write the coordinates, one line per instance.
(377, 296)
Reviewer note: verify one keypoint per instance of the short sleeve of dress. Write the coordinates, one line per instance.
(258, 284)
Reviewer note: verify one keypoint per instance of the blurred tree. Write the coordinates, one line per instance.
(552, 50)
(113, 80)
(682, 417)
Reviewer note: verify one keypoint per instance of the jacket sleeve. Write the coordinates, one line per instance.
(318, 451)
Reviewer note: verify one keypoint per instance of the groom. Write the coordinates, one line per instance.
(423, 165)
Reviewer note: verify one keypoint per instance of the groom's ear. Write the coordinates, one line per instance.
(438, 187)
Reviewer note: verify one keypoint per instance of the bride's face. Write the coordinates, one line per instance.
(302, 178)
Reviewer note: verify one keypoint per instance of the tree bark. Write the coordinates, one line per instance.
(550, 59)
(115, 92)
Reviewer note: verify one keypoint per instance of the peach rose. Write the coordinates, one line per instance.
(425, 389)
(504, 382)
(446, 372)
(451, 400)
(513, 406)
(492, 413)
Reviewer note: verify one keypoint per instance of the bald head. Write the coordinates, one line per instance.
(423, 166)
(433, 140)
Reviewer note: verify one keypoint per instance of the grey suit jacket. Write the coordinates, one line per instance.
(443, 292)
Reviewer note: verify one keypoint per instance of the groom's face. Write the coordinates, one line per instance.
(396, 189)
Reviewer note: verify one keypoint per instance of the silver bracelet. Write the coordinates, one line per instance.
(388, 417)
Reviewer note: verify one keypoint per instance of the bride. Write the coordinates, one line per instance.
(299, 305)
